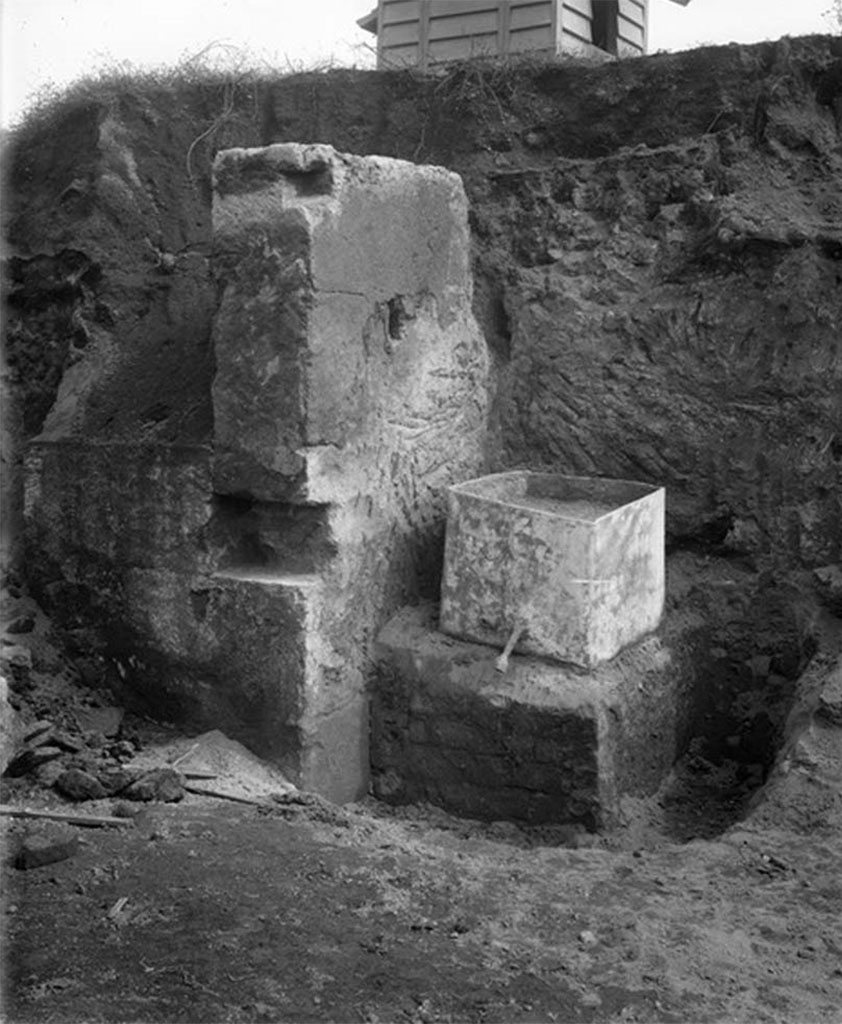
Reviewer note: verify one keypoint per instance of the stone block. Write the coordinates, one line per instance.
(576, 564)
(346, 292)
(48, 845)
(542, 743)
(239, 586)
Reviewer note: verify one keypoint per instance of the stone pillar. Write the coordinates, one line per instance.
(350, 391)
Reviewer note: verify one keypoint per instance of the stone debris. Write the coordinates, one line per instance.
(17, 655)
(38, 733)
(31, 758)
(163, 784)
(103, 721)
(46, 846)
(828, 581)
(10, 727)
(115, 780)
(76, 784)
(830, 699)
(236, 772)
(68, 743)
(22, 624)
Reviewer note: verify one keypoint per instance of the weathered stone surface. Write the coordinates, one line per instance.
(141, 507)
(162, 784)
(31, 758)
(106, 720)
(830, 698)
(48, 845)
(22, 624)
(354, 263)
(574, 567)
(10, 727)
(239, 585)
(77, 784)
(115, 780)
(829, 586)
(38, 733)
(544, 743)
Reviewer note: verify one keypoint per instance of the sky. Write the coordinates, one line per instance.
(57, 41)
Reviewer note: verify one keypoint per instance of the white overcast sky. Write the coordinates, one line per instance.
(59, 40)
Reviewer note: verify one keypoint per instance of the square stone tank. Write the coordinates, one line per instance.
(576, 562)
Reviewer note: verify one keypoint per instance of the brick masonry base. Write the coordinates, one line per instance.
(544, 743)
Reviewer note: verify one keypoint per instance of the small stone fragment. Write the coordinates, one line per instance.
(114, 781)
(38, 733)
(123, 748)
(79, 785)
(16, 655)
(124, 809)
(106, 721)
(46, 847)
(46, 774)
(830, 699)
(829, 587)
(31, 758)
(22, 624)
(587, 938)
(9, 727)
(163, 784)
(72, 744)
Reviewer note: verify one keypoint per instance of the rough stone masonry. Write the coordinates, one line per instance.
(240, 583)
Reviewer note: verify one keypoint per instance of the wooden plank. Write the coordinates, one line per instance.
(634, 10)
(625, 49)
(467, 8)
(399, 35)
(70, 817)
(219, 795)
(460, 27)
(532, 39)
(630, 32)
(531, 16)
(399, 56)
(573, 45)
(401, 10)
(462, 48)
(576, 24)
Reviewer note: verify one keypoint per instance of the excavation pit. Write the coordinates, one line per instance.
(575, 564)
(690, 719)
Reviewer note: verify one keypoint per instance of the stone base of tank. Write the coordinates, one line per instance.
(542, 743)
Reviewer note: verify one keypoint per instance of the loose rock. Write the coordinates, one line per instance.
(31, 758)
(829, 587)
(72, 744)
(38, 733)
(106, 721)
(79, 785)
(16, 655)
(116, 780)
(163, 784)
(22, 624)
(46, 847)
(830, 699)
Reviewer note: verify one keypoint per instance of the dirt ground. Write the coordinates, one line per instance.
(715, 901)
(240, 914)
